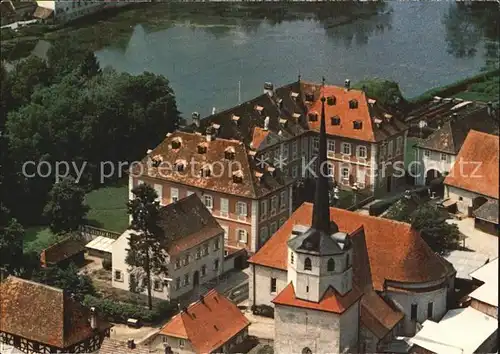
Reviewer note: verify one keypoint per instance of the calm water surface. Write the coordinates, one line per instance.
(204, 63)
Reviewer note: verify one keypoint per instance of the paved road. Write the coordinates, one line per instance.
(475, 239)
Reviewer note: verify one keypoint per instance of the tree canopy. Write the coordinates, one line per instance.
(386, 92)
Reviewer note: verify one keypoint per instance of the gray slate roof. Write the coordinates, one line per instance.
(488, 211)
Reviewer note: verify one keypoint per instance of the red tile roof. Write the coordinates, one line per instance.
(365, 113)
(332, 301)
(476, 166)
(221, 179)
(259, 135)
(43, 314)
(208, 324)
(395, 251)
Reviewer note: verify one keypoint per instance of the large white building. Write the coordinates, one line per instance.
(340, 281)
(63, 10)
(195, 254)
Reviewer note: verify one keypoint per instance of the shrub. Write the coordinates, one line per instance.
(263, 310)
(121, 311)
(379, 207)
(7, 33)
(106, 263)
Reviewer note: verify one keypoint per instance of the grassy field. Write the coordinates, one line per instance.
(108, 208)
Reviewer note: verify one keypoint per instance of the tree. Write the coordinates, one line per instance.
(90, 66)
(11, 243)
(147, 243)
(66, 209)
(386, 92)
(29, 74)
(67, 279)
(64, 55)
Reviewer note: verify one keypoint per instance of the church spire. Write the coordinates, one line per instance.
(321, 208)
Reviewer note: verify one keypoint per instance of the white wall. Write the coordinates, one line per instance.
(467, 197)
(174, 343)
(432, 162)
(404, 300)
(169, 292)
(262, 284)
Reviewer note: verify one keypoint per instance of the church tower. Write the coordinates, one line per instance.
(318, 312)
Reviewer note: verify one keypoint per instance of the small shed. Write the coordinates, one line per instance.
(100, 247)
(64, 252)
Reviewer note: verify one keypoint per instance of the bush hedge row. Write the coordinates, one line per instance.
(121, 311)
(263, 310)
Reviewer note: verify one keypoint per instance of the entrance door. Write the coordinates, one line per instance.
(196, 279)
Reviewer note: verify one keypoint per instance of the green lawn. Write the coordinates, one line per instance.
(108, 208)
(38, 238)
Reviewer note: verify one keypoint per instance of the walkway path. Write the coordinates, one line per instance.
(475, 239)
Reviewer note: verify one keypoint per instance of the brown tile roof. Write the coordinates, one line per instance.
(488, 211)
(377, 315)
(451, 136)
(476, 166)
(110, 346)
(331, 301)
(194, 224)
(208, 324)
(43, 313)
(221, 179)
(395, 251)
(366, 113)
(61, 251)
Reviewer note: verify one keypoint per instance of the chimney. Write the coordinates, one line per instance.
(93, 318)
(490, 108)
(213, 110)
(196, 119)
(269, 89)
(131, 344)
(347, 84)
(266, 123)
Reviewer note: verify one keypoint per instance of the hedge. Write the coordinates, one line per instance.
(263, 310)
(121, 311)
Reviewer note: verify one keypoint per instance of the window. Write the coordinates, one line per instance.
(430, 309)
(159, 190)
(285, 171)
(177, 263)
(281, 222)
(345, 174)
(283, 200)
(264, 233)
(157, 285)
(273, 227)
(347, 260)
(444, 157)
(216, 265)
(203, 270)
(295, 171)
(413, 312)
(241, 210)
(242, 236)
(307, 289)
(399, 145)
(427, 153)
(306, 350)
(263, 209)
(346, 149)
(307, 264)
(177, 283)
(274, 206)
(209, 202)
(186, 259)
(315, 144)
(205, 249)
(390, 148)
(186, 279)
(329, 167)
(198, 253)
(181, 343)
(292, 258)
(273, 285)
(118, 275)
(360, 178)
(331, 148)
(284, 151)
(331, 265)
(216, 244)
(362, 152)
(226, 232)
(294, 150)
(174, 195)
(224, 207)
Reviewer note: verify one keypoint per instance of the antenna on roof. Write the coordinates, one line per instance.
(323, 81)
(300, 76)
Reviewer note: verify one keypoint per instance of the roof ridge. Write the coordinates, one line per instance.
(22, 280)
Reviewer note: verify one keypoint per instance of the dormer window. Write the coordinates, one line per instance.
(307, 264)
(205, 171)
(313, 116)
(180, 165)
(238, 177)
(283, 122)
(292, 258)
(280, 103)
(357, 124)
(296, 116)
(309, 97)
(229, 153)
(331, 265)
(331, 100)
(353, 104)
(335, 120)
(294, 95)
(176, 143)
(272, 171)
(259, 109)
(236, 119)
(202, 148)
